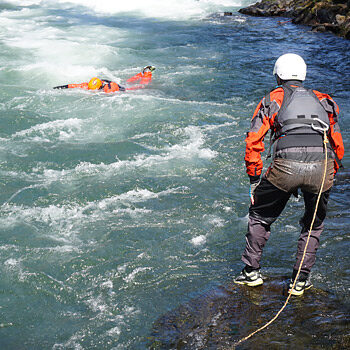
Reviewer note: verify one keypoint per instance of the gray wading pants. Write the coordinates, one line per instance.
(282, 179)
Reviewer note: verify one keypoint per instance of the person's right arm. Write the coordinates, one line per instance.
(262, 120)
(73, 86)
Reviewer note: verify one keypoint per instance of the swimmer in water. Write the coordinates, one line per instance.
(141, 79)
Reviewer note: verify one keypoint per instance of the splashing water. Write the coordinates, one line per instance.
(118, 208)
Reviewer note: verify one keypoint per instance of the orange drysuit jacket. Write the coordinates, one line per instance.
(110, 86)
(263, 120)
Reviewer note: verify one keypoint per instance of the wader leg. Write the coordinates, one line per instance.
(310, 203)
(256, 237)
(269, 202)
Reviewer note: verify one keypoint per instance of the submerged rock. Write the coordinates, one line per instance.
(222, 316)
(327, 15)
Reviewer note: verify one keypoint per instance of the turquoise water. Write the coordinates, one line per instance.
(115, 209)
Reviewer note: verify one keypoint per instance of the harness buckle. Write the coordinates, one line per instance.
(318, 128)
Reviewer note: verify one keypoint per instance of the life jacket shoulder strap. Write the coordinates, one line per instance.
(303, 117)
(267, 102)
(287, 98)
(268, 99)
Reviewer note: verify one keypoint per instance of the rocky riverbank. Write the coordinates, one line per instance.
(327, 15)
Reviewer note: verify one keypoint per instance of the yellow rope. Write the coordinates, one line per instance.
(325, 141)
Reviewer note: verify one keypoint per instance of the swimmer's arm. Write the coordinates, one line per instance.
(73, 86)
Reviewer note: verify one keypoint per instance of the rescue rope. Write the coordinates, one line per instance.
(325, 141)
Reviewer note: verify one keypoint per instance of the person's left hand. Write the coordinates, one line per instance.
(252, 189)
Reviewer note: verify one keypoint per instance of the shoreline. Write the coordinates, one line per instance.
(323, 16)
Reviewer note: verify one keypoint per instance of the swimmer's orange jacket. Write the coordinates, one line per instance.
(108, 86)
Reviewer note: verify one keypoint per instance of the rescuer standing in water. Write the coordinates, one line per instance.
(141, 79)
(297, 117)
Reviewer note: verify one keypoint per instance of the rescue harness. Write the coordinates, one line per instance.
(302, 117)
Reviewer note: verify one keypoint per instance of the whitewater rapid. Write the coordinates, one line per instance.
(115, 209)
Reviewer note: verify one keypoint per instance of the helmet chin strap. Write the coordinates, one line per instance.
(279, 80)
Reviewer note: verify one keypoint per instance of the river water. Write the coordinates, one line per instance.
(116, 209)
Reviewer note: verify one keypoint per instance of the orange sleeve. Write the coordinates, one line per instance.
(334, 134)
(81, 86)
(336, 141)
(261, 123)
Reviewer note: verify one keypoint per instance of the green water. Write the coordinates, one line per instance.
(115, 209)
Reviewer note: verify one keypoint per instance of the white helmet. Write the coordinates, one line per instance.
(290, 67)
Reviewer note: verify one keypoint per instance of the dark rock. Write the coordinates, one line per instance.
(326, 15)
(319, 28)
(305, 18)
(334, 28)
(346, 29)
(220, 317)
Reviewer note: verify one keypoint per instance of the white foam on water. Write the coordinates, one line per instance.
(199, 240)
(71, 343)
(53, 55)
(190, 102)
(134, 196)
(61, 249)
(122, 268)
(24, 2)
(216, 221)
(62, 130)
(291, 228)
(97, 304)
(211, 220)
(15, 268)
(18, 175)
(11, 262)
(107, 284)
(191, 148)
(65, 221)
(132, 212)
(168, 9)
(62, 73)
(113, 332)
(79, 52)
(135, 272)
(11, 247)
(62, 222)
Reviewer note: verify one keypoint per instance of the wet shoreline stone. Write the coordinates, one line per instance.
(322, 16)
(222, 315)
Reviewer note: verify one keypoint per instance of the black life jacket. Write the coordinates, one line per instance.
(294, 124)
